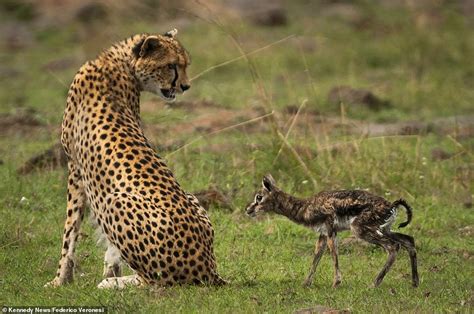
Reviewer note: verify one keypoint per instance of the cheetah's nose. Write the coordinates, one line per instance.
(185, 87)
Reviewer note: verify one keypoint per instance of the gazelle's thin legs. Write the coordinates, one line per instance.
(392, 250)
(332, 244)
(408, 242)
(319, 249)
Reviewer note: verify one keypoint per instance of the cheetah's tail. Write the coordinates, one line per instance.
(219, 281)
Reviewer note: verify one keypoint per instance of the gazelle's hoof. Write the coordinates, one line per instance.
(307, 283)
(337, 280)
(375, 284)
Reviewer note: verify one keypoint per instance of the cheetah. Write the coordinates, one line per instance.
(149, 222)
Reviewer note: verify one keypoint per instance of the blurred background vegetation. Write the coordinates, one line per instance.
(324, 94)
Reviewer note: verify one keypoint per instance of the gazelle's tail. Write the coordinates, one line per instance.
(408, 210)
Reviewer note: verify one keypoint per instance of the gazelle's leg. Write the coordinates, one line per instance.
(75, 213)
(319, 249)
(409, 244)
(372, 234)
(392, 250)
(332, 244)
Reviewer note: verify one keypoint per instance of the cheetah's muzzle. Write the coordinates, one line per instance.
(168, 94)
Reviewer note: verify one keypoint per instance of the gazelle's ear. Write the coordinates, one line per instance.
(268, 183)
(172, 33)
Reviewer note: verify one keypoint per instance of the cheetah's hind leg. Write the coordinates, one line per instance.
(121, 282)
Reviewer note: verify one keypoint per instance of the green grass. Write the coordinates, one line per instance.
(424, 70)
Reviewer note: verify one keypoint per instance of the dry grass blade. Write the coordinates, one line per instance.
(57, 78)
(299, 159)
(456, 142)
(220, 131)
(293, 122)
(243, 56)
(216, 20)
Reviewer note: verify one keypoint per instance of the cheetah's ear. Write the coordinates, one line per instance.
(172, 33)
(268, 183)
(150, 44)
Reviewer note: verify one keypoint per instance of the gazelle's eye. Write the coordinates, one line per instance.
(258, 198)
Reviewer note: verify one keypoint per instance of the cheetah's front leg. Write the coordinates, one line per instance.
(75, 213)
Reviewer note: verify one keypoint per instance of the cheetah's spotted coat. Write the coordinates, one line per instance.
(161, 232)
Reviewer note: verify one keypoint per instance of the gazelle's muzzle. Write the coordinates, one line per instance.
(251, 211)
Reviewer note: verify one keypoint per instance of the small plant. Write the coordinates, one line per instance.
(368, 216)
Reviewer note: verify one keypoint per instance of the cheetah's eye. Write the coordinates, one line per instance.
(258, 198)
(172, 66)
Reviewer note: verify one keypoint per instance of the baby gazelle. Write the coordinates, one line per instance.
(368, 216)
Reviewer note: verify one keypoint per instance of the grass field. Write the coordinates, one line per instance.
(418, 58)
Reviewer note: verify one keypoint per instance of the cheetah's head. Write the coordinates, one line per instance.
(264, 200)
(160, 65)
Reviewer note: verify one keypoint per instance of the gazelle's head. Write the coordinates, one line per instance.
(264, 200)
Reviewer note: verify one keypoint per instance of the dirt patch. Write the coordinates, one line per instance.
(292, 109)
(213, 197)
(356, 97)
(215, 120)
(187, 105)
(321, 309)
(467, 8)
(60, 64)
(19, 122)
(342, 10)
(387, 129)
(91, 12)
(438, 154)
(206, 118)
(53, 157)
(271, 16)
(16, 36)
(458, 127)
(8, 73)
(193, 105)
(24, 117)
(262, 13)
(97, 13)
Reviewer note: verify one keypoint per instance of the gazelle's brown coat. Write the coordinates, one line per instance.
(368, 216)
